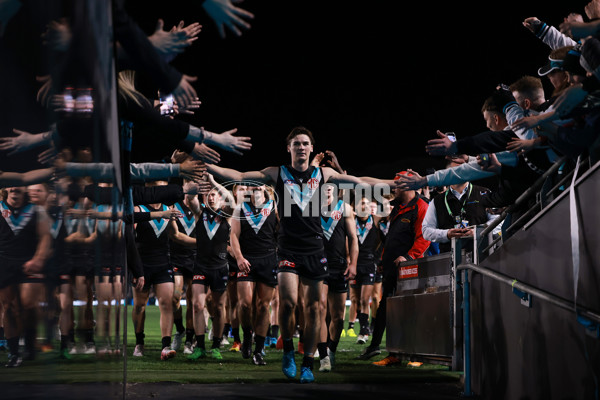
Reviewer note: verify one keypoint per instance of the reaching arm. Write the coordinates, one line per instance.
(267, 175)
(470, 171)
(24, 141)
(176, 236)
(352, 241)
(225, 14)
(8, 179)
(227, 141)
(225, 194)
(335, 177)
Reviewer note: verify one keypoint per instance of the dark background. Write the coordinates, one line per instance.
(373, 80)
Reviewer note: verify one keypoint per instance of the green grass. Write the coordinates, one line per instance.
(232, 369)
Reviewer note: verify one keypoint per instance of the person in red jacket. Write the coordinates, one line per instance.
(404, 241)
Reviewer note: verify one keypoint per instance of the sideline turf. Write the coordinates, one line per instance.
(48, 368)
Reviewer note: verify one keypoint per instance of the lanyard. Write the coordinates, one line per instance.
(462, 208)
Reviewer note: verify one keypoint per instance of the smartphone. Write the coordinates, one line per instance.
(484, 160)
(166, 105)
(451, 136)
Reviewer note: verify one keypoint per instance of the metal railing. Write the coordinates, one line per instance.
(524, 288)
(525, 196)
(590, 319)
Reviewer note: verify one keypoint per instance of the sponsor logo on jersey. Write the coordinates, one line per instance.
(313, 183)
(328, 224)
(286, 263)
(199, 277)
(300, 196)
(256, 221)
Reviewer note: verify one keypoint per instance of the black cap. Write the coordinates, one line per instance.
(552, 65)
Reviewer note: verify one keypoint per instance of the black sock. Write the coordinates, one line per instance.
(189, 335)
(269, 332)
(79, 335)
(322, 348)
(2, 337)
(275, 331)
(332, 345)
(13, 345)
(50, 323)
(200, 342)
(363, 320)
(259, 343)
(247, 334)
(166, 341)
(29, 336)
(301, 336)
(89, 336)
(372, 323)
(179, 325)
(288, 345)
(226, 329)
(216, 342)
(72, 335)
(308, 362)
(64, 342)
(351, 325)
(139, 338)
(236, 334)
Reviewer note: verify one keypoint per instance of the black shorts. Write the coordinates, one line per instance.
(110, 271)
(378, 277)
(233, 270)
(310, 266)
(337, 281)
(65, 279)
(184, 269)
(12, 272)
(82, 266)
(33, 278)
(262, 269)
(215, 279)
(365, 275)
(154, 275)
(52, 272)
